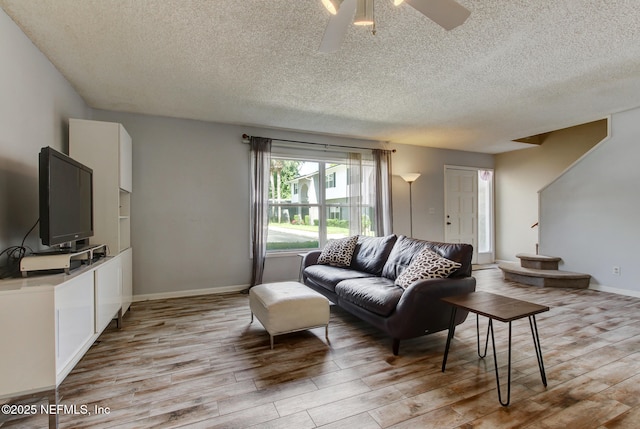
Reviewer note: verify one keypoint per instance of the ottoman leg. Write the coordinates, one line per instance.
(326, 331)
(271, 341)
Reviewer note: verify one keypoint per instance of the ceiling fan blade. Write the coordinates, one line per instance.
(446, 13)
(338, 26)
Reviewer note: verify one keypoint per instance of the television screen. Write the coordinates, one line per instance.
(66, 198)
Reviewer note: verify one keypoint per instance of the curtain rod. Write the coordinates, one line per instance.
(246, 136)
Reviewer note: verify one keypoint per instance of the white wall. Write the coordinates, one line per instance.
(521, 174)
(35, 103)
(589, 216)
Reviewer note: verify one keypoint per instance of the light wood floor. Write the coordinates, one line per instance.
(198, 363)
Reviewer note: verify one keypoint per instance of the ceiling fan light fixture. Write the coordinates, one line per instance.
(364, 13)
(332, 5)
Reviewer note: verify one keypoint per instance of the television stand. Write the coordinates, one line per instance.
(46, 261)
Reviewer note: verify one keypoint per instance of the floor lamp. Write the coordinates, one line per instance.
(410, 178)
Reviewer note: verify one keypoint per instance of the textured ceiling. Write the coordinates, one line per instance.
(515, 68)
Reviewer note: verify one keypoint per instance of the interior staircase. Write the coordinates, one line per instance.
(542, 271)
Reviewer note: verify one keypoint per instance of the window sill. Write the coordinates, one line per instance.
(288, 254)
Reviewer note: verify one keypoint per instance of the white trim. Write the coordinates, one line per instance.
(493, 206)
(617, 291)
(288, 253)
(192, 292)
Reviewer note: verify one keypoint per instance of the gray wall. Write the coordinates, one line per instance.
(428, 190)
(589, 216)
(190, 212)
(35, 102)
(190, 224)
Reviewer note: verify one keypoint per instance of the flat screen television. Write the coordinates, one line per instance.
(66, 199)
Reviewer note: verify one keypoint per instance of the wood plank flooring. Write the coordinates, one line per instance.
(197, 363)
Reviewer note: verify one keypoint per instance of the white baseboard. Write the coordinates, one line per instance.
(617, 291)
(192, 292)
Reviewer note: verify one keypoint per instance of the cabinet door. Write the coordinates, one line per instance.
(74, 317)
(108, 291)
(125, 148)
(27, 341)
(127, 278)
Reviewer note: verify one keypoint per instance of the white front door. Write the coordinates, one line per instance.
(461, 207)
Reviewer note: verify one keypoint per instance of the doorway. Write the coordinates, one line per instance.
(468, 198)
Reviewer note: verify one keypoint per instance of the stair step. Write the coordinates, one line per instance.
(544, 278)
(538, 262)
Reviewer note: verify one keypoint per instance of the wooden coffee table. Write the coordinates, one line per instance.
(500, 308)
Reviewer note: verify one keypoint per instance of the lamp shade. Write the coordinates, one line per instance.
(410, 177)
(364, 13)
(332, 5)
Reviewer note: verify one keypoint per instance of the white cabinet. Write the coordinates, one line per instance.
(106, 148)
(74, 304)
(49, 322)
(127, 279)
(108, 291)
(125, 165)
(28, 338)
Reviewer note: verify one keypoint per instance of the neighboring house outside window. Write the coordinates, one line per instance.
(304, 215)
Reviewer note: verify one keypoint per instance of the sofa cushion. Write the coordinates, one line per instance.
(426, 265)
(378, 295)
(338, 252)
(371, 253)
(405, 249)
(329, 276)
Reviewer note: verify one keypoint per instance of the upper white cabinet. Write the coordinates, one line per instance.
(126, 177)
(106, 148)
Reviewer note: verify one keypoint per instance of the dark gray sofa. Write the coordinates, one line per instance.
(367, 290)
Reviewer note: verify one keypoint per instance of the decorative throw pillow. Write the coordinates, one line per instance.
(338, 252)
(426, 265)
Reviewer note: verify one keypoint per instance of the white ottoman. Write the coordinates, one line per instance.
(288, 307)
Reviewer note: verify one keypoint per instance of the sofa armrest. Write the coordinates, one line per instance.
(311, 258)
(421, 311)
(437, 288)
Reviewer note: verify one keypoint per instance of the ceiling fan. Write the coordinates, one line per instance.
(446, 13)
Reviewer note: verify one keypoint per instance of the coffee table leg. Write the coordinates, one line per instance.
(486, 343)
(495, 363)
(536, 344)
(452, 329)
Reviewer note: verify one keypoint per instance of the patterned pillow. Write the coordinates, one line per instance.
(338, 252)
(426, 265)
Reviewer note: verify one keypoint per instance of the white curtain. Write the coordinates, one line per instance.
(259, 195)
(355, 185)
(383, 206)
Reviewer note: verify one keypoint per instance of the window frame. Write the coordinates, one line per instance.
(324, 160)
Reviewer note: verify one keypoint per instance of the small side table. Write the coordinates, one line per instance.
(500, 308)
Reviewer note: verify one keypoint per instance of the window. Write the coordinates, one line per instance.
(303, 214)
(331, 180)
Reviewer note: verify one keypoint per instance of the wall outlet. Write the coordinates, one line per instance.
(616, 271)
